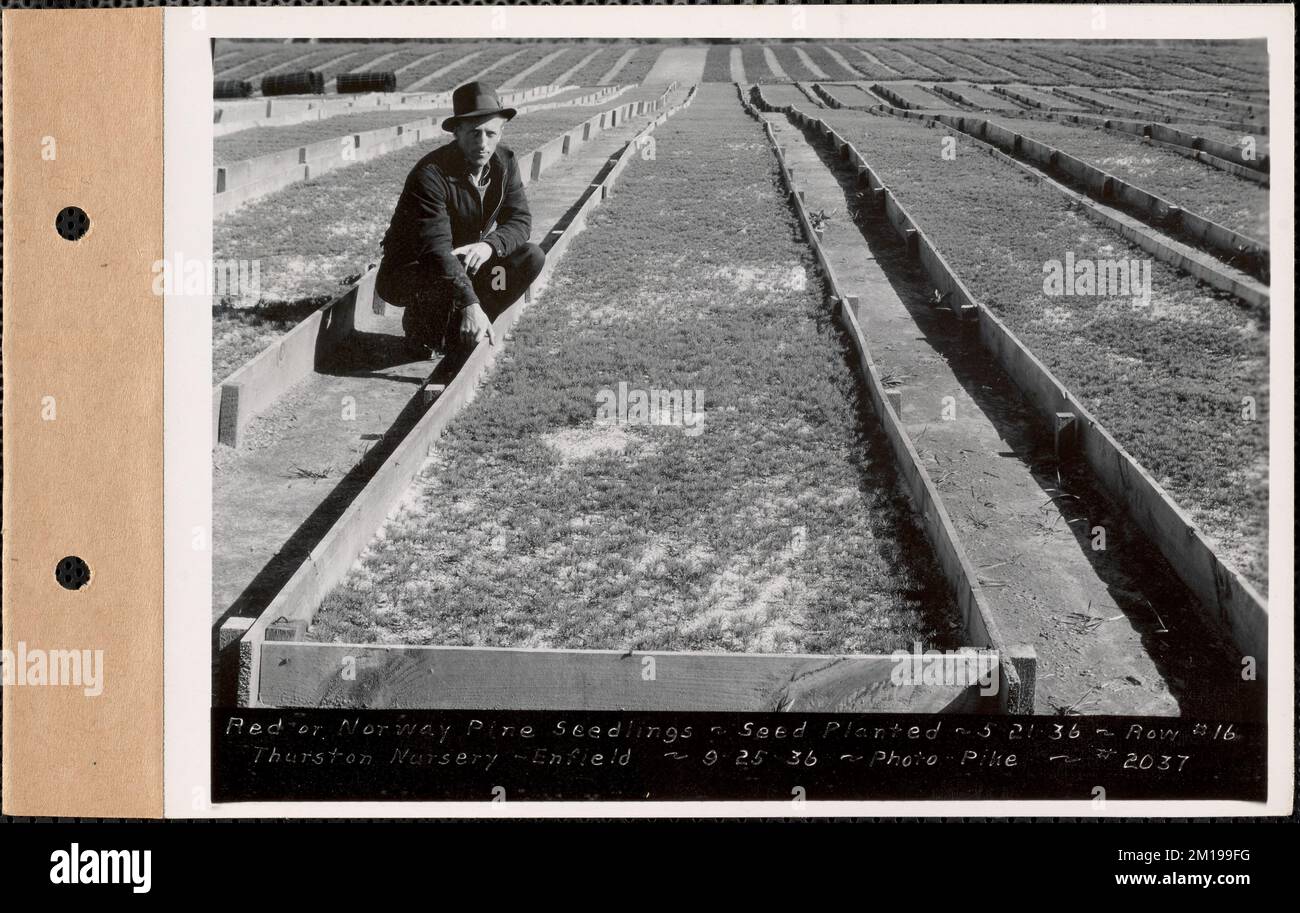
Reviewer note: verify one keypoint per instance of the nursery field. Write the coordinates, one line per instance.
(434, 66)
(1167, 379)
(716, 425)
(537, 525)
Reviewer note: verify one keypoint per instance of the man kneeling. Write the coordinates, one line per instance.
(457, 253)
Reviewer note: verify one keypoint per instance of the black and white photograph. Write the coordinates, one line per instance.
(572, 440)
(791, 418)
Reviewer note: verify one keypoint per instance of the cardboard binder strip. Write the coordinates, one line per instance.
(83, 396)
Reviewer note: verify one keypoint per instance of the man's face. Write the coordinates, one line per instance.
(478, 138)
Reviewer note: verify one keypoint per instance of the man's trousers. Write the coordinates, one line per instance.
(433, 303)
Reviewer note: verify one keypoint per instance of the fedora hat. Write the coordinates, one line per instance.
(474, 99)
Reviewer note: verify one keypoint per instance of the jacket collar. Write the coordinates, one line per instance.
(458, 168)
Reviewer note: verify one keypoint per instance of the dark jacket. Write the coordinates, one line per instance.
(440, 209)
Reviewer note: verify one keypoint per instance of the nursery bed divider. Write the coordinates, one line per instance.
(954, 96)
(1159, 213)
(1208, 100)
(825, 97)
(894, 98)
(1195, 262)
(807, 89)
(1028, 101)
(252, 388)
(240, 182)
(977, 615)
(1224, 156)
(1156, 117)
(1223, 595)
(607, 93)
(286, 618)
(1199, 108)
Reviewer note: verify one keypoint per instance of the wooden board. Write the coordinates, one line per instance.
(297, 674)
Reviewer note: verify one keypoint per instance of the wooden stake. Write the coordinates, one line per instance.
(1065, 434)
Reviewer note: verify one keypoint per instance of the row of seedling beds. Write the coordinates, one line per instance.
(1226, 597)
(1230, 151)
(1032, 97)
(249, 144)
(1246, 258)
(908, 95)
(1245, 104)
(637, 66)
(1197, 107)
(1240, 244)
(493, 62)
(1235, 263)
(993, 62)
(595, 69)
(373, 112)
(843, 95)
(1018, 661)
(1147, 110)
(1241, 205)
(1167, 375)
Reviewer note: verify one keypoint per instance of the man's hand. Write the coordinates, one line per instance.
(474, 324)
(474, 255)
